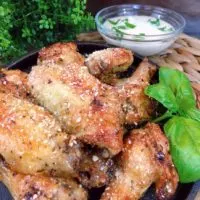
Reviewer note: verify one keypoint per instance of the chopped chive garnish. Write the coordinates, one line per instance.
(114, 22)
(129, 25)
(118, 32)
(139, 37)
(121, 27)
(155, 22)
(165, 29)
(170, 29)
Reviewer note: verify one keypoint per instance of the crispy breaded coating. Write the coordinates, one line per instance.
(27, 187)
(145, 159)
(15, 82)
(104, 64)
(53, 54)
(136, 105)
(85, 107)
(31, 140)
(93, 111)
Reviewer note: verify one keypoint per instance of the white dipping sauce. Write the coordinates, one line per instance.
(145, 35)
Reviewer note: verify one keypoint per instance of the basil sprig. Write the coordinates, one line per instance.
(174, 91)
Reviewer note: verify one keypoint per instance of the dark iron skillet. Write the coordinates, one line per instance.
(184, 191)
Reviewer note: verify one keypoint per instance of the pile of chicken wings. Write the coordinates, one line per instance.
(63, 128)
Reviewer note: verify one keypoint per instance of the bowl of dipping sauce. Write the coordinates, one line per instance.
(145, 29)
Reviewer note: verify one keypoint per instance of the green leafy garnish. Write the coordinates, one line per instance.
(113, 22)
(155, 22)
(129, 25)
(121, 27)
(118, 32)
(165, 29)
(184, 137)
(139, 37)
(175, 93)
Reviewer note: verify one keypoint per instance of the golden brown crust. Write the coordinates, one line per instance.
(104, 64)
(15, 82)
(145, 159)
(136, 106)
(28, 187)
(31, 140)
(62, 53)
(85, 107)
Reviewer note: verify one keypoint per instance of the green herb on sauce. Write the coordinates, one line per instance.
(129, 25)
(113, 22)
(155, 22)
(118, 33)
(139, 37)
(165, 29)
(121, 27)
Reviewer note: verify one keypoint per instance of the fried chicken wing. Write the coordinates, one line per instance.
(27, 187)
(145, 159)
(31, 140)
(85, 107)
(15, 82)
(104, 64)
(136, 105)
(93, 111)
(60, 53)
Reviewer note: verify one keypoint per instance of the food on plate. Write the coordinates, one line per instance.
(92, 111)
(27, 187)
(144, 160)
(15, 82)
(105, 64)
(31, 141)
(64, 53)
(183, 125)
(65, 124)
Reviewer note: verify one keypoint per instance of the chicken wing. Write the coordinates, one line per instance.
(85, 107)
(15, 82)
(145, 159)
(31, 140)
(64, 53)
(136, 106)
(29, 187)
(92, 111)
(106, 63)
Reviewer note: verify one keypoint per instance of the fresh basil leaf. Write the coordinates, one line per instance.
(184, 136)
(164, 95)
(180, 86)
(192, 113)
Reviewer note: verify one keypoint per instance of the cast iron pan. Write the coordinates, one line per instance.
(25, 64)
